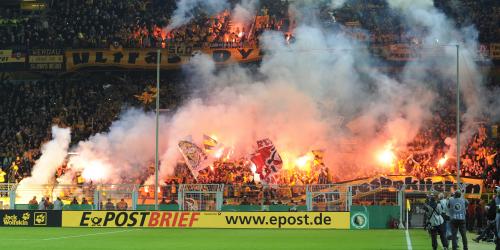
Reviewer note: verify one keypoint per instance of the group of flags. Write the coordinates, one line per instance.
(195, 157)
(266, 158)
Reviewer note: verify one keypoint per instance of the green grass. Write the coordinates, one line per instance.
(206, 239)
(422, 240)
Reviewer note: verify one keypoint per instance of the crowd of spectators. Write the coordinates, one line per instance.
(87, 104)
(432, 151)
(375, 22)
(125, 23)
(142, 23)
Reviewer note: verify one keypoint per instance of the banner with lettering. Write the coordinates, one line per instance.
(30, 218)
(46, 59)
(171, 57)
(495, 51)
(188, 219)
(473, 187)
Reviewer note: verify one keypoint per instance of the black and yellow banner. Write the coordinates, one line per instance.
(11, 56)
(30, 218)
(12, 60)
(473, 186)
(171, 219)
(495, 51)
(46, 59)
(171, 58)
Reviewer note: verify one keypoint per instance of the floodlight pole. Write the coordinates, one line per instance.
(458, 117)
(158, 54)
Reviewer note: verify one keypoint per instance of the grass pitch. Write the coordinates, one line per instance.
(207, 239)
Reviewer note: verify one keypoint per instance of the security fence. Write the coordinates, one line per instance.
(222, 197)
(200, 197)
(207, 197)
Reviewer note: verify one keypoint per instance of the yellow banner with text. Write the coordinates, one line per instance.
(181, 219)
(170, 58)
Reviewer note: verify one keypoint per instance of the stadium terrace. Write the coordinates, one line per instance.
(124, 124)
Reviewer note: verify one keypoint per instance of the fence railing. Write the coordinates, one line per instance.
(208, 197)
(327, 197)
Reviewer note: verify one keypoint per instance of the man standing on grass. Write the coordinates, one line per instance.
(443, 202)
(457, 207)
(497, 218)
(436, 222)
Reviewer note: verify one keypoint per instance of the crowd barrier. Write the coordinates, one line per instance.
(377, 202)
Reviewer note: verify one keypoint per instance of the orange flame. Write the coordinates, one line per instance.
(442, 161)
(387, 156)
(304, 162)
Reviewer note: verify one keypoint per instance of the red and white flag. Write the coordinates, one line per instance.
(267, 160)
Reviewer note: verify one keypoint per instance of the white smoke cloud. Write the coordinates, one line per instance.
(334, 4)
(186, 9)
(296, 98)
(54, 153)
(244, 12)
(122, 154)
(442, 35)
(405, 5)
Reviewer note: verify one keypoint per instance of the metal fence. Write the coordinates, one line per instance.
(200, 197)
(328, 197)
(217, 197)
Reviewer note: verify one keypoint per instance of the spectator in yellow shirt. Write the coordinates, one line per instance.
(2, 176)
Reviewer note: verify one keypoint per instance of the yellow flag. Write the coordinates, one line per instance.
(209, 143)
(318, 157)
(408, 205)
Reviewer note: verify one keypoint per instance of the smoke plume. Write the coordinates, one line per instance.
(323, 91)
(54, 153)
(441, 34)
(244, 12)
(187, 10)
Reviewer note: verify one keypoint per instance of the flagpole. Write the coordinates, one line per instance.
(158, 54)
(458, 118)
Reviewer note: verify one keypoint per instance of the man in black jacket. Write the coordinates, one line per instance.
(493, 219)
(496, 208)
(490, 229)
